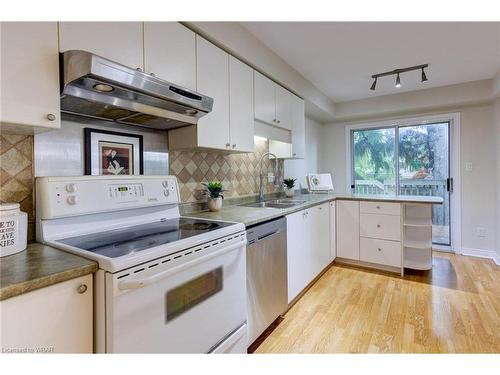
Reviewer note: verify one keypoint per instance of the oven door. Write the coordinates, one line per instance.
(189, 302)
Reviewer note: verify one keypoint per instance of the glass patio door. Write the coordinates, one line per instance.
(421, 156)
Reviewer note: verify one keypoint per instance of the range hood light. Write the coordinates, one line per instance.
(101, 87)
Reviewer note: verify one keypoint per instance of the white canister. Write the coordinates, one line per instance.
(13, 229)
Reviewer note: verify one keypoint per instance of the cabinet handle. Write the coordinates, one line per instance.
(152, 74)
(82, 288)
(379, 249)
(378, 207)
(278, 121)
(294, 154)
(274, 120)
(51, 117)
(234, 145)
(138, 69)
(378, 225)
(228, 144)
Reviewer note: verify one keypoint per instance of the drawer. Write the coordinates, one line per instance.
(383, 252)
(380, 208)
(385, 227)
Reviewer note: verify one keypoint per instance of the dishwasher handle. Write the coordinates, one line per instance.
(266, 230)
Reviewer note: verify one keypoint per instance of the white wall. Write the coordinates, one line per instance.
(479, 144)
(298, 168)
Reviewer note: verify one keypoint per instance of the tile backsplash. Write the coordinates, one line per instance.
(16, 174)
(239, 173)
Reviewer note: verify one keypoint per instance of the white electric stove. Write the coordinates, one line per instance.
(166, 283)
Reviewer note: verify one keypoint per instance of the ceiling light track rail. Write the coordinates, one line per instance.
(397, 72)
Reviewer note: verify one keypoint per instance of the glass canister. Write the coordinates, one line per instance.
(13, 229)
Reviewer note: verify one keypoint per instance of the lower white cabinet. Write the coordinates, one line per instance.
(56, 319)
(348, 229)
(308, 246)
(333, 232)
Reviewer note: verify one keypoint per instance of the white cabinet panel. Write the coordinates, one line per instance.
(212, 68)
(383, 252)
(298, 253)
(298, 128)
(320, 233)
(333, 229)
(241, 108)
(57, 318)
(30, 93)
(170, 53)
(265, 101)
(380, 208)
(284, 107)
(387, 227)
(348, 229)
(121, 42)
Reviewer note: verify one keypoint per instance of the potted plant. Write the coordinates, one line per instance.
(214, 191)
(289, 185)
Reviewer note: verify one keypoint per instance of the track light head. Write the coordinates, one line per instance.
(424, 77)
(398, 81)
(374, 84)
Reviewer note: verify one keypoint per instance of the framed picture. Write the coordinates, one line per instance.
(112, 153)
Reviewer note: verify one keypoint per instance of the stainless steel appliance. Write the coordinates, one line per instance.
(100, 88)
(266, 275)
(166, 283)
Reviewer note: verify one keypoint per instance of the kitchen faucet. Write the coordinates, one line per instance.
(261, 176)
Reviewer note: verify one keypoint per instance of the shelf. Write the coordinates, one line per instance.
(417, 222)
(422, 266)
(417, 244)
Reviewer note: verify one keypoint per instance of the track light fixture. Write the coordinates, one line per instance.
(397, 72)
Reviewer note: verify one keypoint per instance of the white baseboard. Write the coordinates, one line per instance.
(482, 253)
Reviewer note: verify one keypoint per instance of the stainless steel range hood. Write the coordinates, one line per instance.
(95, 87)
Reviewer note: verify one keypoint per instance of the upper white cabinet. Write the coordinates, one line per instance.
(347, 229)
(29, 75)
(57, 318)
(265, 99)
(212, 67)
(121, 42)
(284, 107)
(230, 125)
(170, 53)
(241, 106)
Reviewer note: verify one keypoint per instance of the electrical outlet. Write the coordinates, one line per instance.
(481, 231)
(468, 166)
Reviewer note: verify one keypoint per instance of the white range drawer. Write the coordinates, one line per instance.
(385, 227)
(380, 208)
(380, 251)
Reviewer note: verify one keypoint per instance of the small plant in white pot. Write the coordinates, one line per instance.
(214, 190)
(289, 185)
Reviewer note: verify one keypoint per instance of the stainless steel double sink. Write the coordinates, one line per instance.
(274, 203)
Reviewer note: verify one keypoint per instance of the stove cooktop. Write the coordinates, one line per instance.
(119, 242)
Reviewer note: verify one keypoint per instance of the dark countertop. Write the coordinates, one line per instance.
(253, 215)
(39, 266)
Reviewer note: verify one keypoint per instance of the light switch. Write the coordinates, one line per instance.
(468, 166)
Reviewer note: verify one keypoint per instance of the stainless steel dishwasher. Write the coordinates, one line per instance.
(267, 294)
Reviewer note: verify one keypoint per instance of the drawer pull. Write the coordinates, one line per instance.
(378, 225)
(379, 249)
(81, 288)
(378, 207)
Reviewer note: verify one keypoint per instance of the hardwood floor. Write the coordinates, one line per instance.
(455, 308)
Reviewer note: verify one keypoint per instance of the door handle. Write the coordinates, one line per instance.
(136, 283)
(449, 184)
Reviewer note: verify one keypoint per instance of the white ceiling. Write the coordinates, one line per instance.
(340, 57)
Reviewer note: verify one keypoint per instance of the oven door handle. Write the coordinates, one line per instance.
(136, 283)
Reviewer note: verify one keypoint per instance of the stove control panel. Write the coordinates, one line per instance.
(71, 196)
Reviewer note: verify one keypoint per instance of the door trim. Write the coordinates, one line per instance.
(455, 197)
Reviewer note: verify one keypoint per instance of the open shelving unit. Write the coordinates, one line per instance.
(417, 236)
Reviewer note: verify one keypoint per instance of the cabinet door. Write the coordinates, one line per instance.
(348, 229)
(57, 318)
(320, 229)
(265, 100)
(241, 110)
(298, 253)
(298, 129)
(212, 67)
(170, 52)
(121, 42)
(30, 74)
(284, 107)
(333, 229)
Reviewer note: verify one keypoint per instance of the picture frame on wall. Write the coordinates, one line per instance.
(113, 153)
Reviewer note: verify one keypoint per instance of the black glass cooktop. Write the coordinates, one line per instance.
(118, 242)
